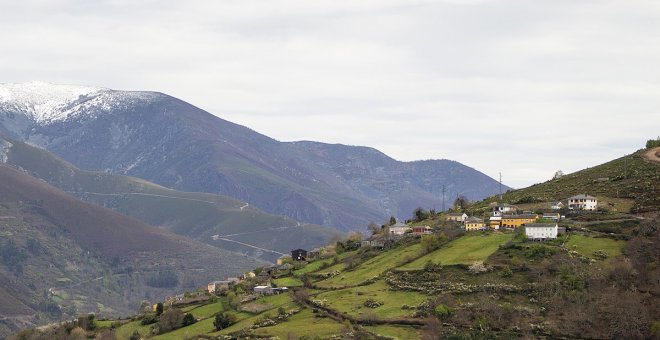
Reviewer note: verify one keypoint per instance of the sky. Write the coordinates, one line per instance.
(524, 88)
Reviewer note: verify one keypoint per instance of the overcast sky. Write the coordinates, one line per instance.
(519, 87)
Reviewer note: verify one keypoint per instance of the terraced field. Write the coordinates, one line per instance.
(465, 250)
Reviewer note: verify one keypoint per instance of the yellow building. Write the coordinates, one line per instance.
(474, 223)
(517, 221)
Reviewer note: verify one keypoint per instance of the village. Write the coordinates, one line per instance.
(539, 225)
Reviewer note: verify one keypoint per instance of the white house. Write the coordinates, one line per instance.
(503, 208)
(541, 231)
(582, 202)
(266, 290)
(399, 230)
(557, 205)
(459, 217)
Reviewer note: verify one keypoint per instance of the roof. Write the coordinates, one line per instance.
(582, 197)
(520, 216)
(261, 287)
(541, 225)
(399, 224)
(297, 250)
(455, 214)
(474, 219)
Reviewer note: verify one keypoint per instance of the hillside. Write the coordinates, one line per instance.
(629, 184)
(196, 215)
(597, 281)
(170, 142)
(493, 285)
(61, 256)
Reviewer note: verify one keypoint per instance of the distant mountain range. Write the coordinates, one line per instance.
(235, 225)
(60, 257)
(170, 142)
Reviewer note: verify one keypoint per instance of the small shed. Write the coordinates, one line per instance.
(299, 254)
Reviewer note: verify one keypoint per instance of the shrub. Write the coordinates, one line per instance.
(223, 320)
(371, 303)
(601, 254)
(506, 272)
(188, 320)
(443, 311)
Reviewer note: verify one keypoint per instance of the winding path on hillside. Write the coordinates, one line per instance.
(141, 194)
(248, 245)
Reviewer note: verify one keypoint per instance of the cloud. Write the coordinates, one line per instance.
(520, 87)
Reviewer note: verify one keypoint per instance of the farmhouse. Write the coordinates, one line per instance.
(516, 221)
(474, 223)
(551, 216)
(214, 286)
(557, 205)
(265, 290)
(422, 230)
(375, 243)
(503, 208)
(299, 254)
(582, 202)
(494, 222)
(399, 230)
(541, 231)
(458, 217)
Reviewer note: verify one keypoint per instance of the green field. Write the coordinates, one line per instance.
(288, 282)
(586, 245)
(200, 327)
(125, 331)
(374, 266)
(396, 332)
(465, 250)
(351, 300)
(304, 323)
(207, 311)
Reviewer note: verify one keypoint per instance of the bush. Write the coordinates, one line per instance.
(443, 311)
(371, 303)
(188, 320)
(652, 143)
(223, 320)
(506, 272)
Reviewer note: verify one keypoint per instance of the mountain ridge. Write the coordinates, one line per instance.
(180, 146)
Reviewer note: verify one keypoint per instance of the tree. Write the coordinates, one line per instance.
(159, 309)
(188, 320)
(170, 319)
(392, 220)
(420, 214)
(373, 228)
(429, 243)
(558, 174)
(223, 320)
(460, 203)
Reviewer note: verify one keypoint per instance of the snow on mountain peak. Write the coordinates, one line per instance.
(43, 101)
(47, 103)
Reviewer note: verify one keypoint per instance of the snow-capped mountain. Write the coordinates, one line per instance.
(47, 103)
(165, 140)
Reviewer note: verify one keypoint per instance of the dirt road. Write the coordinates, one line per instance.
(653, 155)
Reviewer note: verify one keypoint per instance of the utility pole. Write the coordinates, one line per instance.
(443, 197)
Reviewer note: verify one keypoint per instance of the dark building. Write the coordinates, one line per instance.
(299, 254)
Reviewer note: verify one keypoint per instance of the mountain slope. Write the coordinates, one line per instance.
(632, 179)
(197, 215)
(61, 256)
(170, 142)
